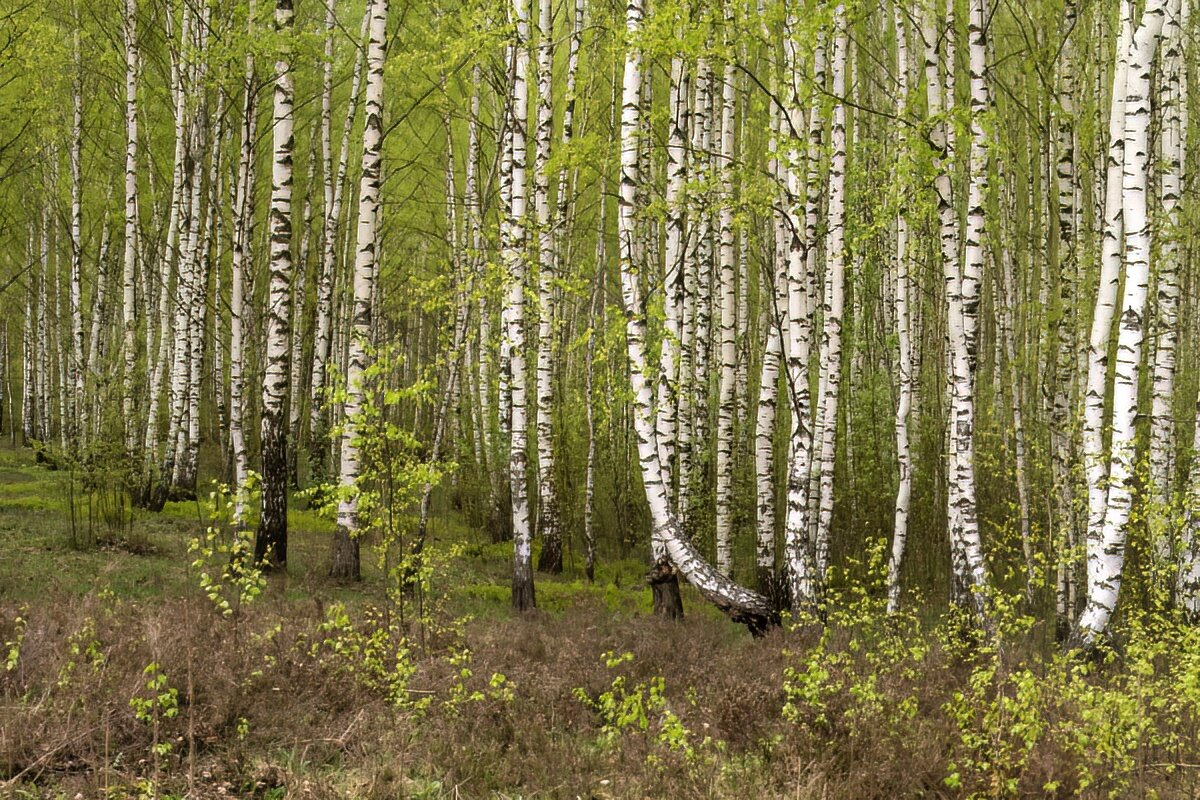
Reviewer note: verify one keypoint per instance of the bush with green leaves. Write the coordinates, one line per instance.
(641, 709)
(223, 557)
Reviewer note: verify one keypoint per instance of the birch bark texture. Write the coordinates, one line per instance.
(345, 557)
(1108, 554)
(270, 545)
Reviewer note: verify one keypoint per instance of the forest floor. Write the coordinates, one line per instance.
(121, 678)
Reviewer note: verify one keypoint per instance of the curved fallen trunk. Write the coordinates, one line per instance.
(667, 540)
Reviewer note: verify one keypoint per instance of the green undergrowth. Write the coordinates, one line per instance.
(149, 559)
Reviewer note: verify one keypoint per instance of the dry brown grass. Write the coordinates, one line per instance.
(312, 731)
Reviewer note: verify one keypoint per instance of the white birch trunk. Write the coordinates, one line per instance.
(1104, 584)
(270, 545)
(129, 261)
(667, 541)
(334, 189)
(515, 259)
(1102, 317)
(904, 366)
(1162, 394)
(548, 521)
(726, 407)
(77, 423)
(675, 254)
(834, 297)
(345, 562)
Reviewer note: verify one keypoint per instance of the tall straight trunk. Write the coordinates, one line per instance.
(97, 339)
(1106, 301)
(670, 371)
(191, 295)
(1062, 455)
(812, 416)
(766, 413)
(691, 464)
(798, 555)
(345, 560)
(129, 260)
(270, 545)
(505, 180)
(1104, 584)
(597, 315)
(515, 259)
(1162, 418)
(76, 425)
(904, 366)
(159, 363)
(963, 301)
(726, 407)
(548, 516)
(1005, 299)
(318, 430)
(27, 379)
(300, 332)
(834, 296)
(670, 548)
(243, 214)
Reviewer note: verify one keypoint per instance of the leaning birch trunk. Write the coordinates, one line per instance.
(345, 557)
(1095, 465)
(270, 546)
(548, 516)
(670, 548)
(129, 261)
(834, 298)
(515, 259)
(903, 337)
(726, 406)
(1104, 584)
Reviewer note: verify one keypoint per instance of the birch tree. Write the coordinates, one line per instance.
(270, 546)
(345, 558)
(1104, 582)
(514, 344)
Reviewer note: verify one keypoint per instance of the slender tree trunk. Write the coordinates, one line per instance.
(1162, 416)
(670, 372)
(726, 407)
(1102, 317)
(345, 561)
(243, 214)
(904, 365)
(1104, 584)
(270, 546)
(318, 430)
(515, 259)
(834, 302)
(548, 515)
(77, 424)
(129, 261)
